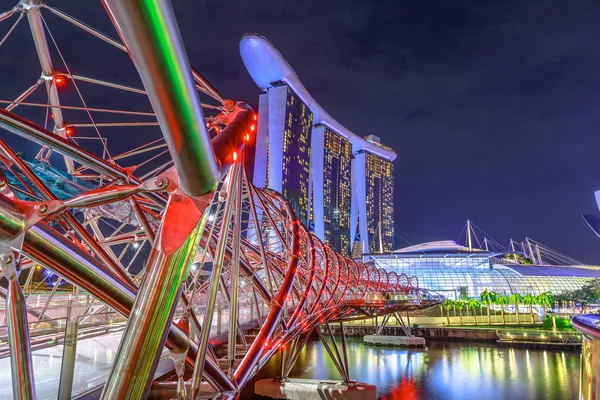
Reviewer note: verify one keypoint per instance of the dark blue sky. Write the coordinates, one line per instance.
(492, 106)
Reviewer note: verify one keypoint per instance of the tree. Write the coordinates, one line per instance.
(546, 300)
(473, 304)
(530, 300)
(588, 294)
(487, 299)
(448, 304)
(516, 299)
(502, 301)
(460, 303)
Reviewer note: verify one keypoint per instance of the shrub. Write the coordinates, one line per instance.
(561, 323)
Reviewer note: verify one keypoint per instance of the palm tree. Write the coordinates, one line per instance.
(473, 304)
(448, 304)
(546, 300)
(530, 300)
(460, 303)
(502, 301)
(516, 299)
(487, 299)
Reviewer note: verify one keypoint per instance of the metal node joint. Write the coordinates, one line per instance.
(8, 264)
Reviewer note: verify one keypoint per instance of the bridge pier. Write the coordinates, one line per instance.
(307, 389)
(317, 389)
(408, 339)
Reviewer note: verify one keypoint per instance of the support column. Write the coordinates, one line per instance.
(23, 383)
(38, 33)
(344, 348)
(234, 281)
(67, 368)
(215, 280)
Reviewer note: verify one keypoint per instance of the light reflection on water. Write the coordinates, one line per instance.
(446, 370)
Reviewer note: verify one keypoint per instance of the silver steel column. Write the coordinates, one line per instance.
(151, 34)
(67, 367)
(146, 331)
(18, 331)
(214, 284)
(235, 272)
(41, 46)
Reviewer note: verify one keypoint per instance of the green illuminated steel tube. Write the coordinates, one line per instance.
(151, 34)
(146, 331)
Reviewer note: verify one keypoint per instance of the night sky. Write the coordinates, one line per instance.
(492, 106)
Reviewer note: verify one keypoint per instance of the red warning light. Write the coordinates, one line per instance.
(69, 131)
(252, 127)
(60, 80)
(235, 156)
(247, 137)
(255, 117)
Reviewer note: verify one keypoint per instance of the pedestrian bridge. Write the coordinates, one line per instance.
(153, 263)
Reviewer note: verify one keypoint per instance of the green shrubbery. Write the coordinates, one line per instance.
(561, 323)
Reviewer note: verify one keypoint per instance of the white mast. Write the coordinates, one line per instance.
(539, 255)
(469, 241)
(530, 251)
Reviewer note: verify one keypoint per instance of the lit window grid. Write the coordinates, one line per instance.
(337, 183)
(296, 155)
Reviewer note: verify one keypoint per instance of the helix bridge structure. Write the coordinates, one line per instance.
(146, 215)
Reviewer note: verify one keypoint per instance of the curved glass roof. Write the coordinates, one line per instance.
(430, 247)
(472, 273)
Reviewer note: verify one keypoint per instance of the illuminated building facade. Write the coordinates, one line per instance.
(340, 184)
(282, 160)
(374, 200)
(331, 175)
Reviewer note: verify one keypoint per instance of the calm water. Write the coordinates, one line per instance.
(447, 370)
